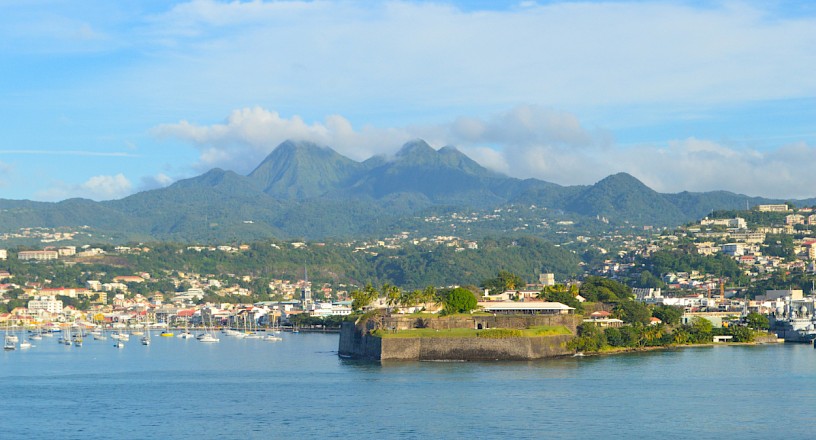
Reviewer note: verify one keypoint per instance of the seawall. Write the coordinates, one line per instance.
(360, 344)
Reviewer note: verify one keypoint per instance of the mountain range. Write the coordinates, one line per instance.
(303, 190)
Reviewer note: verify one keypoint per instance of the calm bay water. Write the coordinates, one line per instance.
(299, 388)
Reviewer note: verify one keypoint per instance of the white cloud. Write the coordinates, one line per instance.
(698, 165)
(160, 180)
(526, 141)
(96, 188)
(242, 141)
(421, 55)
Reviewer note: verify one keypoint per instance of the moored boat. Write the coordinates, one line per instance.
(8, 345)
(206, 337)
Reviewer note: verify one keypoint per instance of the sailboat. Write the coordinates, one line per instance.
(186, 333)
(25, 345)
(66, 338)
(207, 336)
(146, 337)
(99, 335)
(8, 342)
(78, 338)
(37, 335)
(248, 328)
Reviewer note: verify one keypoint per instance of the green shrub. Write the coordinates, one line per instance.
(499, 333)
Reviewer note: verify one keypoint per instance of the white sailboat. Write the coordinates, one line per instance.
(249, 333)
(207, 336)
(66, 337)
(8, 343)
(37, 335)
(99, 335)
(146, 337)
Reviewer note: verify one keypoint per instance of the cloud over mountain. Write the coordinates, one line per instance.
(525, 141)
(102, 187)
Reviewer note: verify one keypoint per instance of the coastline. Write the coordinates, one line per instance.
(626, 350)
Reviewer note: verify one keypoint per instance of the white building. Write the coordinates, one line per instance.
(38, 255)
(546, 279)
(734, 249)
(772, 208)
(3, 254)
(736, 222)
(45, 303)
(525, 307)
(66, 251)
(647, 294)
(773, 295)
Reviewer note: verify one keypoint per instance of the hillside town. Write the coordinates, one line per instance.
(625, 255)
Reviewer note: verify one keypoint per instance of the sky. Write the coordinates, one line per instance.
(102, 99)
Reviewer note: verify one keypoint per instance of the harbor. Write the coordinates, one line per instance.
(299, 388)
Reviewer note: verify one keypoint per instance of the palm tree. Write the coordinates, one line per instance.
(392, 295)
(429, 295)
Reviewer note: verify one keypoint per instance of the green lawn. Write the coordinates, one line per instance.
(468, 332)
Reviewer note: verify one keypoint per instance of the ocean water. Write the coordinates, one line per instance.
(299, 388)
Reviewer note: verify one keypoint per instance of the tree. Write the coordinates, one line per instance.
(681, 336)
(614, 337)
(560, 293)
(392, 294)
(670, 315)
(460, 300)
(780, 245)
(701, 329)
(361, 299)
(741, 334)
(603, 289)
(757, 321)
(590, 338)
(647, 280)
(503, 281)
(632, 311)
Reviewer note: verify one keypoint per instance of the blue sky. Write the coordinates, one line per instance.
(102, 99)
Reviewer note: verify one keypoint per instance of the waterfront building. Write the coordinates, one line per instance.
(45, 303)
(604, 319)
(716, 318)
(526, 308)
